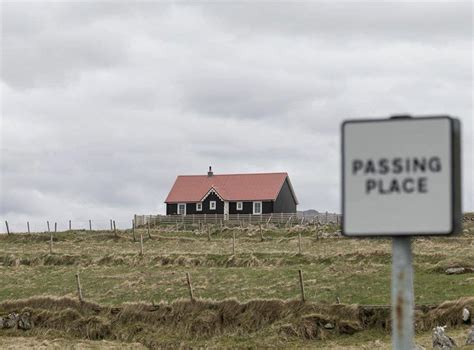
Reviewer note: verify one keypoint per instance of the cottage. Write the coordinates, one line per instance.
(256, 194)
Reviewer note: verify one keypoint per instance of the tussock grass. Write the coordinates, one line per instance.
(204, 318)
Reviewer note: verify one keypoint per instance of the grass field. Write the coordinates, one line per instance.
(113, 273)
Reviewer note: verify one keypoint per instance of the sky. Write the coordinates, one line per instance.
(103, 104)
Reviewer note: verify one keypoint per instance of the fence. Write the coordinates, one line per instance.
(286, 219)
(61, 225)
(280, 219)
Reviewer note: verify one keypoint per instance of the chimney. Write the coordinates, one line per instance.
(210, 173)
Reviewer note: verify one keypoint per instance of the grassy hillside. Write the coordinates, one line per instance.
(113, 272)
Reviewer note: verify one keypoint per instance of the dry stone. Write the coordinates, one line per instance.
(24, 321)
(470, 337)
(9, 321)
(442, 341)
(455, 270)
(15, 320)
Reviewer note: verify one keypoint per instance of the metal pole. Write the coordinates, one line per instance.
(402, 294)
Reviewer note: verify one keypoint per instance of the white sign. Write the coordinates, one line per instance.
(400, 176)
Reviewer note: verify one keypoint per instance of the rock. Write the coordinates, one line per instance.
(419, 347)
(24, 322)
(441, 341)
(466, 315)
(329, 325)
(470, 337)
(455, 270)
(10, 321)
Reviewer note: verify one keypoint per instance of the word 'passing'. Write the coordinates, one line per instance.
(411, 174)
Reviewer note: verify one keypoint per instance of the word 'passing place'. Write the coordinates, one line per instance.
(397, 175)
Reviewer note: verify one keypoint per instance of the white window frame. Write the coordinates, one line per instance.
(254, 212)
(212, 205)
(177, 210)
(199, 206)
(240, 206)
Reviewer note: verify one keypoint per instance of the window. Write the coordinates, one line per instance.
(257, 208)
(198, 206)
(181, 208)
(240, 206)
(212, 205)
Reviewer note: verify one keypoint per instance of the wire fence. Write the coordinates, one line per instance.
(232, 220)
(280, 219)
(37, 226)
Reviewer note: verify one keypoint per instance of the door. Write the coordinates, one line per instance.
(182, 209)
(226, 210)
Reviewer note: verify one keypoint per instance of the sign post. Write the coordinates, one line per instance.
(401, 177)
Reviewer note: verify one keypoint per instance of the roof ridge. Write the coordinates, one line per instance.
(281, 172)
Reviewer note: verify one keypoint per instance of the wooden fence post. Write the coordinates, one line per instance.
(148, 229)
(115, 229)
(47, 224)
(141, 243)
(261, 232)
(299, 244)
(8, 228)
(79, 289)
(190, 286)
(55, 227)
(28, 226)
(133, 230)
(90, 225)
(50, 243)
(69, 225)
(233, 243)
(208, 233)
(326, 218)
(300, 273)
(269, 219)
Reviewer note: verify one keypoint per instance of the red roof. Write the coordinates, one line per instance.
(230, 187)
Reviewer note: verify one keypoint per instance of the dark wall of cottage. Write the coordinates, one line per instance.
(247, 208)
(285, 202)
(205, 206)
(171, 209)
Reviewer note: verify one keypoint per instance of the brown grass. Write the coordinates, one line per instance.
(203, 319)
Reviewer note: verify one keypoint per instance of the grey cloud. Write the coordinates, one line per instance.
(379, 20)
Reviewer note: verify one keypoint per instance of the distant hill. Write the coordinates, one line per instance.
(308, 213)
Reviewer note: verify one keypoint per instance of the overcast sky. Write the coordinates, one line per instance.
(103, 104)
